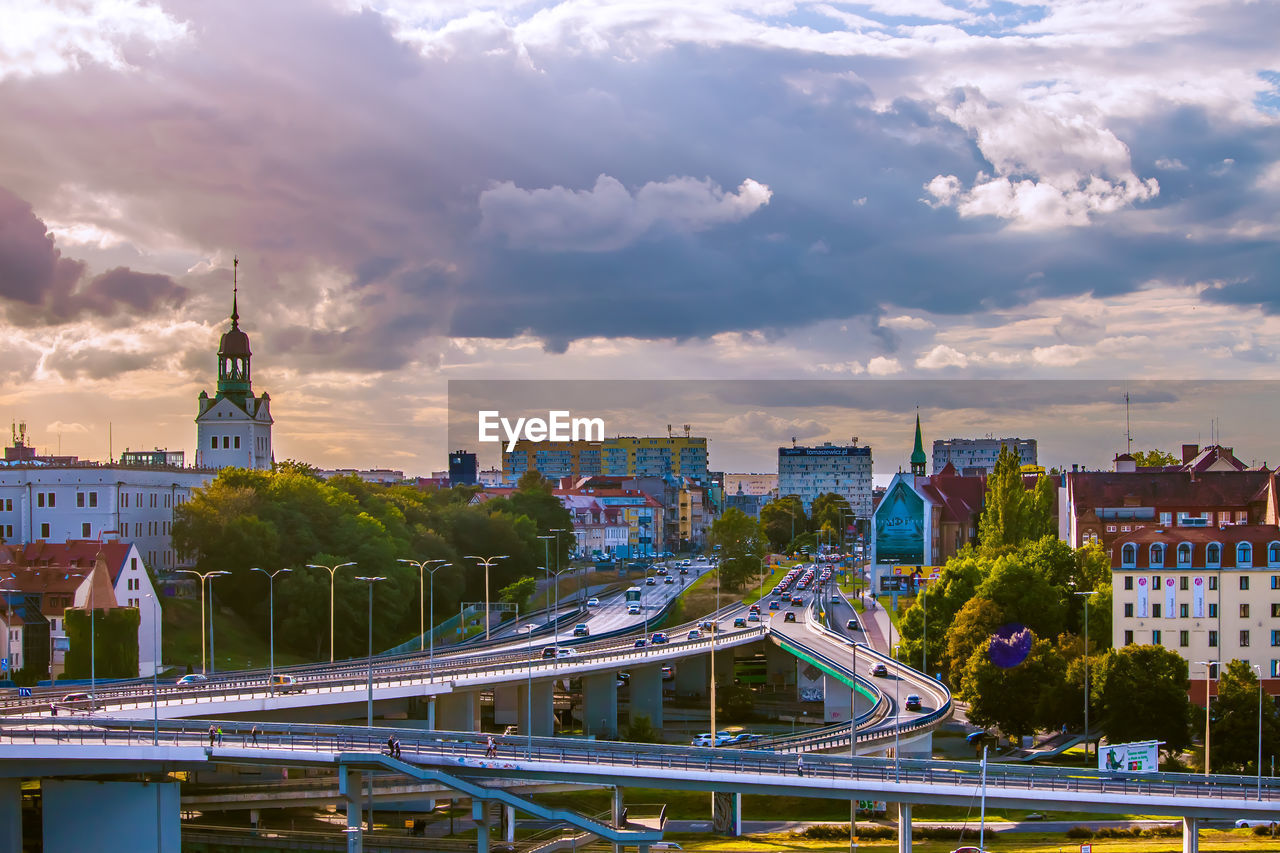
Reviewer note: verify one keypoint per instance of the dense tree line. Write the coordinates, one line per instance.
(788, 528)
(289, 517)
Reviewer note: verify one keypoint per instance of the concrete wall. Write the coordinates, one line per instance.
(106, 817)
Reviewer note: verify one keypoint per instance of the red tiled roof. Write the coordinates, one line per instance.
(77, 554)
(1211, 489)
(1257, 535)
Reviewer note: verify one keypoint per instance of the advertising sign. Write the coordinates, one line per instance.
(895, 583)
(1142, 597)
(1170, 604)
(900, 527)
(1197, 598)
(1142, 757)
(811, 682)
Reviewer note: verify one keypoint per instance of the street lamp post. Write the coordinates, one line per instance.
(1259, 670)
(555, 616)
(271, 617)
(155, 674)
(213, 658)
(557, 531)
(488, 562)
(333, 571)
(546, 561)
(528, 691)
(203, 576)
(371, 581)
(1086, 596)
(1208, 672)
(715, 629)
(422, 631)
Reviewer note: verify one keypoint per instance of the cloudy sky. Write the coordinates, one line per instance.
(426, 191)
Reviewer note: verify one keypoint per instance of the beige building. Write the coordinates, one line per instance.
(1206, 593)
(765, 485)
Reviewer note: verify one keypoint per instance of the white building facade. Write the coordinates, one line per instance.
(971, 456)
(812, 471)
(233, 428)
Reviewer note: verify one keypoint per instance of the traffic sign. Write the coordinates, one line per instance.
(1086, 848)
(24, 692)
(4, 664)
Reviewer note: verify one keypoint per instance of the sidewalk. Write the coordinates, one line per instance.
(876, 626)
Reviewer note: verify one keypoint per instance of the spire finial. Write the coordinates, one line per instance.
(235, 288)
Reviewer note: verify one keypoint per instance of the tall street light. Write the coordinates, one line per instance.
(333, 571)
(546, 561)
(1259, 671)
(1208, 673)
(528, 691)
(422, 591)
(1086, 596)
(488, 563)
(155, 674)
(203, 576)
(213, 658)
(431, 624)
(271, 617)
(555, 619)
(371, 581)
(715, 629)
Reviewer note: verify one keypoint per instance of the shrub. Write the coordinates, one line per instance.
(1079, 832)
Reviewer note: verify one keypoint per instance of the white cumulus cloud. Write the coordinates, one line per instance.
(883, 366)
(942, 356)
(609, 216)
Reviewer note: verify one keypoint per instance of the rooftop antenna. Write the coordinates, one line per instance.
(1128, 434)
(793, 441)
(670, 431)
(688, 428)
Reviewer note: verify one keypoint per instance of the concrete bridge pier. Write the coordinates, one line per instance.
(542, 704)
(780, 666)
(10, 814)
(110, 816)
(600, 705)
(480, 814)
(506, 704)
(691, 676)
(350, 784)
(1191, 835)
(509, 824)
(726, 813)
(904, 828)
(646, 694)
(724, 667)
(837, 702)
(618, 810)
(459, 712)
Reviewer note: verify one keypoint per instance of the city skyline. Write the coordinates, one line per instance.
(427, 192)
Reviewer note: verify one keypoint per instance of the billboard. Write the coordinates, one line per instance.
(1142, 757)
(900, 527)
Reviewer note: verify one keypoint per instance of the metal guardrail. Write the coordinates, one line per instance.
(463, 751)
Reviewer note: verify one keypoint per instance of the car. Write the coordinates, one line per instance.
(796, 601)
(75, 702)
(879, 670)
(755, 608)
(975, 737)
(549, 653)
(743, 737)
(695, 634)
(968, 849)
(624, 677)
(668, 579)
(1244, 822)
(913, 702)
(633, 609)
(1033, 816)
(593, 602)
(775, 605)
(665, 845)
(684, 570)
(704, 739)
(658, 638)
(286, 684)
(650, 581)
(707, 625)
(740, 622)
(852, 624)
(790, 617)
(668, 673)
(753, 617)
(195, 679)
(581, 630)
(565, 653)
(640, 643)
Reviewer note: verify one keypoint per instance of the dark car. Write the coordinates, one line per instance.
(549, 653)
(775, 605)
(790, 617)
(879, 670)
(852, 624)
(740, 622)
(913, 702)
(581, 630)
(641, 643)
(658, 638)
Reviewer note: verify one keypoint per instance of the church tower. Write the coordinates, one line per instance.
(233, 428)
(918, 459)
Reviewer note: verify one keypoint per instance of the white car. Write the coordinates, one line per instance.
(593, 602)
(633, 609)
(1245, 823)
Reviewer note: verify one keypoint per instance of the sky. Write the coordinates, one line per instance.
(421, 192)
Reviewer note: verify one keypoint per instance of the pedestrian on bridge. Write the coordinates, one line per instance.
(492, 750)
(213, 733)
(799, 765)
(254, 735)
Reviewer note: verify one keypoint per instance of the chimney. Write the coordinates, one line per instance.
(1189, 452)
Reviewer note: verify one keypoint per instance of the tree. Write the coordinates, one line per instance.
(641, 730)
(114, 642)
(1025, 596)
(1233, 721)
(783, 519)
(742, 547)
(1013, 698)
(1155, 458)
(1141, 694)
(954, 587)
(518, 593)
(971, 630)
(1011, 515)
(831, 512)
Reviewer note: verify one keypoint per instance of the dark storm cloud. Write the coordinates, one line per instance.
(51, 289)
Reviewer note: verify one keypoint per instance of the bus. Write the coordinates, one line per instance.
(633, 594)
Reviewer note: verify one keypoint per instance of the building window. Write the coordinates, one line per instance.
(1111, 528)
(1242, 517)
(1244, 582)
(1155, 638)
(1155, 583)
(1184, 638)
(1244, 555)
(40, 499)
(1273, 553)
(1129, 554)
(44, 530)
(237, 442)
(1124, 528)
(1213, 639)
(1244, 611)
(226, 442)
(1213, 554)
(1275, 638)
(1184, 583)
(213, 443)
(1128, 610)
(1213, 582)
(84, 530)
(51, 500)
(1184, 554)
(1128, 638)
(79, 499)
(1166, 519)
(1155, 611)
(1275, 581)
(93, 499)
(1244, 639)
(1275, 610)
(1157, 555)
(1184, 611)
(1213, 610)
(1128, 581)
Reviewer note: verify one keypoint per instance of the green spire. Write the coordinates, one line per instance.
(918, 459)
